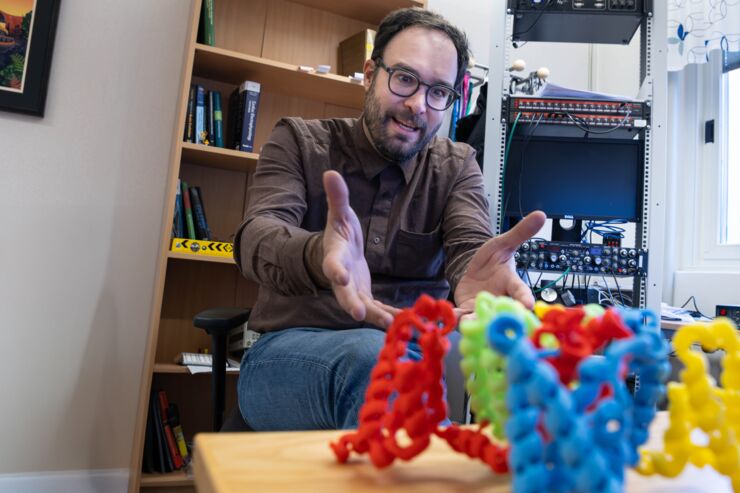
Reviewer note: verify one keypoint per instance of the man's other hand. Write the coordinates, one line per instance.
(344, 257)
(492, 267)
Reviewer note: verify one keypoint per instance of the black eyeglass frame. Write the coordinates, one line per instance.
(455, 94)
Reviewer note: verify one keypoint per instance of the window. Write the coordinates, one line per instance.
(731, 143)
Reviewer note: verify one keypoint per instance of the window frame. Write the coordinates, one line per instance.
(710, 187)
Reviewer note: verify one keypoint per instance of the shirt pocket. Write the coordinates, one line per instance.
(419, 255)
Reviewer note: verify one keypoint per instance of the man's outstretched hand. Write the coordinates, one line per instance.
(344, 257)
(492, 267)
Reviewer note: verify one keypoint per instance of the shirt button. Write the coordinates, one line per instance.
(376, 240)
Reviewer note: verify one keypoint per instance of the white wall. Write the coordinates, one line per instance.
(81, 198)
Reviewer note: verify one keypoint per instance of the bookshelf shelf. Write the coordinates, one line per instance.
(166, 480)
(172, 368)
(200, 258)
(371, 11)
(169, 368)
(218, 157)
(233, 67)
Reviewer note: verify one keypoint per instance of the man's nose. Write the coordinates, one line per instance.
(417, 102)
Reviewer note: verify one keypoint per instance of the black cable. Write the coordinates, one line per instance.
(539, 16)
(696, 307)
(621, 298)
(525, 272)
(576, 119)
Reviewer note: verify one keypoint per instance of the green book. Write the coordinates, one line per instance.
(218, 120)
(190, 225)
(206, 34)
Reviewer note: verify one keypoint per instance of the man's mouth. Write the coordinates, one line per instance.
(407, 126)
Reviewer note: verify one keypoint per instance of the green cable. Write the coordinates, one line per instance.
(550, 284)
(503, 171)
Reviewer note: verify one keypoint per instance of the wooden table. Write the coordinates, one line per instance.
(302, 461)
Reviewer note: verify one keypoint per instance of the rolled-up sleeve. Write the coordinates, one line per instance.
(270, 247)
(466, 222)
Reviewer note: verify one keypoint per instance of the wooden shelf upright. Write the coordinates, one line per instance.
(264, 41)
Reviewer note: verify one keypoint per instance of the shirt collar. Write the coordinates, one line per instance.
(372, 162)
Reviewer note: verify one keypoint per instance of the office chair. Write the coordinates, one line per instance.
(218, 322)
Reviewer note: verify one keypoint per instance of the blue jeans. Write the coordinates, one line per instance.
(309, 378)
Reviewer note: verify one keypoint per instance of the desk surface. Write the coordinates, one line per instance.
(302, 461)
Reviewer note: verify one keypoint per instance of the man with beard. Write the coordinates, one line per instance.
(351, 219)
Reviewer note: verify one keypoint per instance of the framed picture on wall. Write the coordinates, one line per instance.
(26, 43)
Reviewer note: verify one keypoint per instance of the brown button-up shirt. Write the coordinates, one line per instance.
(421, 220)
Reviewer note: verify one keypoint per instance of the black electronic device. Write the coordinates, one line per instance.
(590, 114)
(578, 21)
(573, 178)
(730, 311)
(581, 258)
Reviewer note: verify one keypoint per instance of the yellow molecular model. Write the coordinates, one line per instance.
(697, 403)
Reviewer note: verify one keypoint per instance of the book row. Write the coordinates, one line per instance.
(165, 449)
(204, 122)
(189, 219)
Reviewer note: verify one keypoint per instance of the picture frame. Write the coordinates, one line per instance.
(26, 47)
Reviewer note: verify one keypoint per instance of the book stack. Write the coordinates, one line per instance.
(204, 123)
(243, 106)
(189, 220)
(165, 449)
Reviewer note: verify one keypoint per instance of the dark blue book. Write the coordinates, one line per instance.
(200, 114)
(209, 117)
(202, 232)
(178, 219)
(250, 96)
(190, 117)
(218, 120)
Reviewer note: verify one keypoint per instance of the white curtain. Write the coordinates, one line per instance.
(696, 27)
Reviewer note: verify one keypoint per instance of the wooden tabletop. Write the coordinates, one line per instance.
(302, 461)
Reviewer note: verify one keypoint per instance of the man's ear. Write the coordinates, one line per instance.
(369, 71)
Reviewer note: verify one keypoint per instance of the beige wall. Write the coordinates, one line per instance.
(81, 200)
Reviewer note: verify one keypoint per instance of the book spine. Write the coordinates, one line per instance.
(199, 214)
(173, 416)
(218, 120)
(190, 226)
(209, 120)
(209, 33)
(200, 114)
(189, 124)
(236, 109)
(178, 221)
(163, 462)
(177, 461)
(251, 98)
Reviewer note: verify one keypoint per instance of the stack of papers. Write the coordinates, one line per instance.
(673, 314)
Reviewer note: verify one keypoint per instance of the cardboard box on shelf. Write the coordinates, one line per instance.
(354, 51)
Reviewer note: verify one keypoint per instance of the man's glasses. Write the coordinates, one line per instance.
(405, 83)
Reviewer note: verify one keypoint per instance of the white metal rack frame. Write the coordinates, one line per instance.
(653, 82)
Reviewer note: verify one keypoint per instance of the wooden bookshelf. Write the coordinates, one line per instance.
(166, 480)
(218, 157)
(285, 78)
(264, 41)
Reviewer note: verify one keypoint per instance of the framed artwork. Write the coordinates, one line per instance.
(26, 43)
